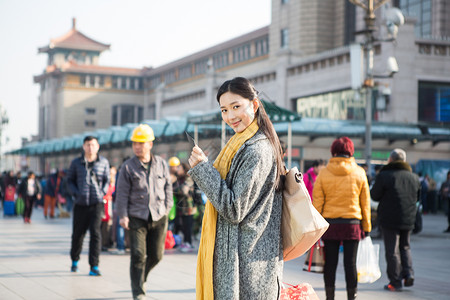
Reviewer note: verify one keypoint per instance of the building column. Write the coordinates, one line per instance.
(283, 62)
(210, 84)
(146, 101)
(160, 90)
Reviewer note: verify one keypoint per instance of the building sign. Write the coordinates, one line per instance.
(340, 105)
(376, 155)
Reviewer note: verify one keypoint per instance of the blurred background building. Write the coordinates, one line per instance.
(302, 60)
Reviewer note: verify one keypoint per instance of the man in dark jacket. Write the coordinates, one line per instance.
(144, 199)
(397, 189)
(88, 178)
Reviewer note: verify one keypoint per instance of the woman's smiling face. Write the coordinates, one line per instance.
(238, 112)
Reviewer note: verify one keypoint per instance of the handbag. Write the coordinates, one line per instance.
(302, 291)
(367, 261)
(301, 224)
(315, 258)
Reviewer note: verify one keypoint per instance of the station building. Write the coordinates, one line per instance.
(302, 61)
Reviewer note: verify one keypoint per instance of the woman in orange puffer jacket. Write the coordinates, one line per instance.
(341, 194)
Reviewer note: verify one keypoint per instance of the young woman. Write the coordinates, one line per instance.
(30, 190)
(240, 254)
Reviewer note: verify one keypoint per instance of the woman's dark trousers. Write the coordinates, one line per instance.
(331, 262)
(29, 202)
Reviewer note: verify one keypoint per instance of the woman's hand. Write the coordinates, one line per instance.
(197, 156)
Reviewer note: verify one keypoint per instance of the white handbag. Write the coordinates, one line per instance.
(301, 224)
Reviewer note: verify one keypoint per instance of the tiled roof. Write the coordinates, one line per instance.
(96, 69)
(75, 40)
(72, 67)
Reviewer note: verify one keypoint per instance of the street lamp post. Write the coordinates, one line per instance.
(369, 7)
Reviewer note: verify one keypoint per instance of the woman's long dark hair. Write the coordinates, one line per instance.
(242, 86)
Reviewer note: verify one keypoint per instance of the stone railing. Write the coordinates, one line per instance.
(434, 46)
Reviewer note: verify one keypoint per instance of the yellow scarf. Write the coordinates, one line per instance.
(204, 286)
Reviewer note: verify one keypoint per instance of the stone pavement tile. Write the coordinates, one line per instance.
(35, 264)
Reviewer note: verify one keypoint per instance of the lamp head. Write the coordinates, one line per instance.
(392, 66)
(394, 18)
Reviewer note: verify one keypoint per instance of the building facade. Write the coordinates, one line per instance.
(79, 95)
(302, 61)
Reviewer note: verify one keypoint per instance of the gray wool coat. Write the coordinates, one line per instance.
(248, 253)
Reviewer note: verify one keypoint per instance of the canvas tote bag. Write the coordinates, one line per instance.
(301, 224)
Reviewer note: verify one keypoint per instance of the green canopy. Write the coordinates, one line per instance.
(275, 112)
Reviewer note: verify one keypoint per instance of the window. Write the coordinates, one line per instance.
(261, 47)
(241, 53)
(421, 10)
(220, 60)
(92, 80)
(114, 82)
(137, 84)
(90, 111)
(101, 81)
(89, 123)
(127, 113)
(154, 81)
(169, 76)
(184, 72)
(201, 66)
(284, 38)
(434, 102)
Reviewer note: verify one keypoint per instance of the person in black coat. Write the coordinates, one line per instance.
(397, 189)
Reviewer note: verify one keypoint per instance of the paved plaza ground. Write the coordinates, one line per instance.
(35, 264)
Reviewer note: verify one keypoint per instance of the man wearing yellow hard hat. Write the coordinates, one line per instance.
(174, 166)
(144, 199)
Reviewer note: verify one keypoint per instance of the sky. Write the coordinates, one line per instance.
(141, 33)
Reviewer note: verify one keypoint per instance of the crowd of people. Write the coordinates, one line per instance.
(50, 193)
(136, 205)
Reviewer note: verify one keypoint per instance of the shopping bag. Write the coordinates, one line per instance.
(173, 210)
(315, 258)
(418, 224)
(302, 291)
(301, 224)
(367, 263)
(170, 241)
(20, 206)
